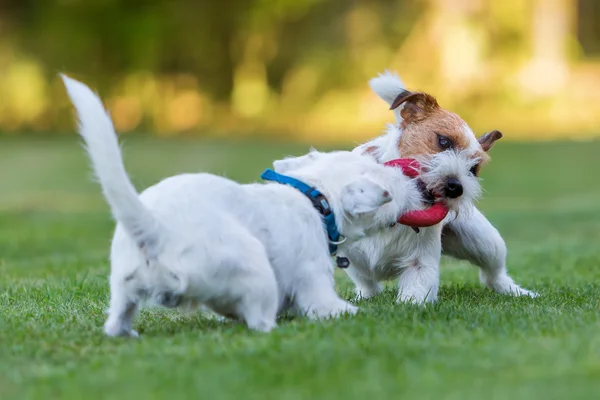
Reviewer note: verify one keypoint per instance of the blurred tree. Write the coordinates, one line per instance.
(108, 38)
(177, 65)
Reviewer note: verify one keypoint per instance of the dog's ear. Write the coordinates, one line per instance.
(417, 105)
(292, 163)
(363, 196)
(487, 140)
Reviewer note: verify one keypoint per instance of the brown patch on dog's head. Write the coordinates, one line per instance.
(417, 105)
(427, 128)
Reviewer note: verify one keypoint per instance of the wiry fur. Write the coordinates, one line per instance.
(467, 235)
(247, 252)
(456, 164)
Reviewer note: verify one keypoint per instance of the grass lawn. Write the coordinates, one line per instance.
(55, 232)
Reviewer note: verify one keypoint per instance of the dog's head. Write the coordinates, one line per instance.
(428, 129)
(438, 138)
(363, 193)
(449, 175)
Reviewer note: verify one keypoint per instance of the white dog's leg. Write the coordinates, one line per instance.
(473, 238)
(315, 294)
(121, 312)
(259, 308)
(365, 287)
(419, 283)
(259, 304)
(250, 278)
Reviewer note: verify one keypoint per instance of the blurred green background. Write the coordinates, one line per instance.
(299, 69)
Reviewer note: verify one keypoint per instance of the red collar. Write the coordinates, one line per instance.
(418, 218)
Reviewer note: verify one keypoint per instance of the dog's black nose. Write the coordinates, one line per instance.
(453, 188)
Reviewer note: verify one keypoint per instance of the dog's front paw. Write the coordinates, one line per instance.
(418, 299)
(332, 311)
(262, 326)
(115, 331)
(508, 287)
(349, 309)
(363, 293)
(519, 291)
(213, 315)
(504, 284)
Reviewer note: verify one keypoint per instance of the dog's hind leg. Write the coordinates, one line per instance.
(314, 292)
(259, 308)
(121, 312)
(253, 282)
(473, 238)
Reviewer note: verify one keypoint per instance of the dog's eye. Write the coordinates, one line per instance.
(444, 142)
(474, 169)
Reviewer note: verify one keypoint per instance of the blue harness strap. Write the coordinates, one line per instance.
(317, 199)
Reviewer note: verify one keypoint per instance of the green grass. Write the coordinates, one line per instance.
(55, 232)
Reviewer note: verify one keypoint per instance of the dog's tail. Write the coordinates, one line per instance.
(96, 129)
(388, 86)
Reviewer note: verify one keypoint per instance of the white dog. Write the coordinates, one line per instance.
(424, 129)
(245, 251)
(390, 250)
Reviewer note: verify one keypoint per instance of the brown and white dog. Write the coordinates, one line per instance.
(424, 129)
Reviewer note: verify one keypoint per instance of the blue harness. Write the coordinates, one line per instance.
(318, 201)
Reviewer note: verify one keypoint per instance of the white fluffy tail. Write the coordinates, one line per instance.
(96, 129)
(388, 86)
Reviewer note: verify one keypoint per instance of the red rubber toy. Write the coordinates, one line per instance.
(418, 218)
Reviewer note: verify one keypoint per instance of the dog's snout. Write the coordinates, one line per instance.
(386, 194)
(453, 188)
